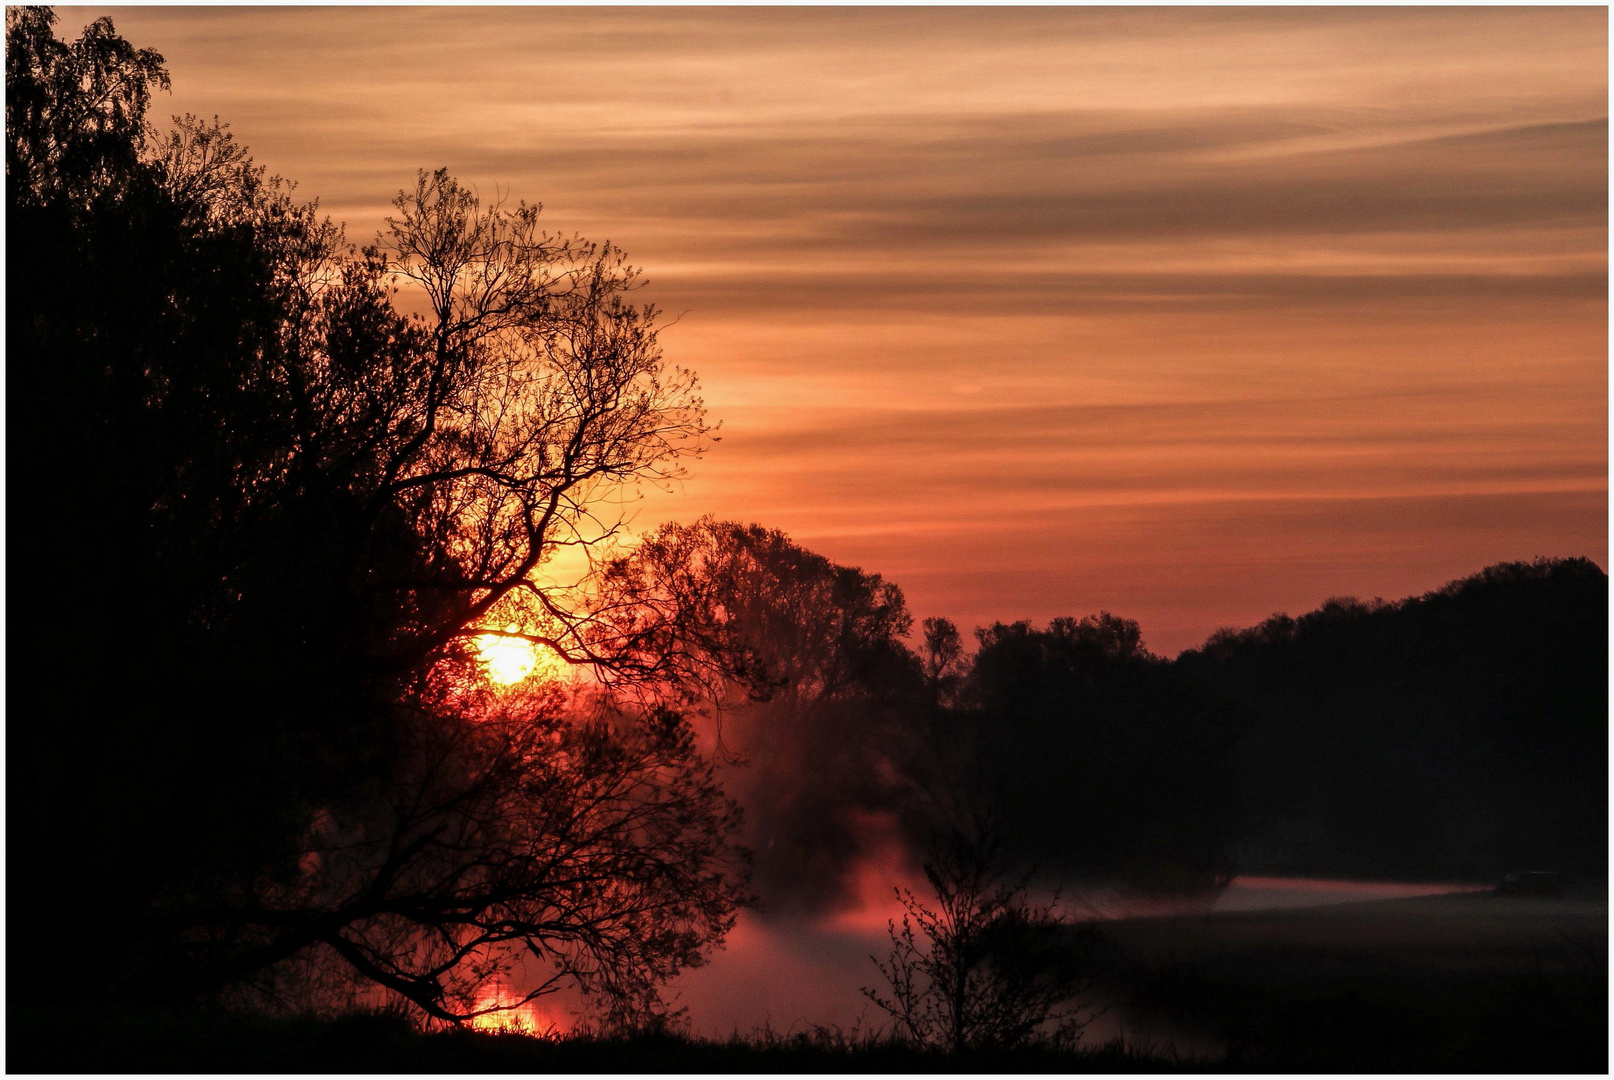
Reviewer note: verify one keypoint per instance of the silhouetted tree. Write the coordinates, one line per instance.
(267, 512)
(815, 698)
(75, 112)
(1459, 733)
(1109, 762)
(944, 660)
(986, 967)
(523, 837)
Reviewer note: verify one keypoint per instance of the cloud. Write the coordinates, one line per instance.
(1191, 313)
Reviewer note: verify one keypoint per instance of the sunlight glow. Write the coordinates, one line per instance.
(508, 660)
(521, 1020)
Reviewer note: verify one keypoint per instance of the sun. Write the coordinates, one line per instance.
(507, 659)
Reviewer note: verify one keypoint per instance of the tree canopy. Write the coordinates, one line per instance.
(1462, 733)
(818, 710)
(268, 511)
(1111, 762)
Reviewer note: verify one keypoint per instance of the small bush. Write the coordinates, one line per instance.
(986, 968)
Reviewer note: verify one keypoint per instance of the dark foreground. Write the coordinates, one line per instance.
(1461, 983)
(59, 1043)
(1464, 983)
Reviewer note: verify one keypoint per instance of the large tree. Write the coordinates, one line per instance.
(815, 702)
(261, 511)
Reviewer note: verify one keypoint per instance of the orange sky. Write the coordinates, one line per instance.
(1190, 314)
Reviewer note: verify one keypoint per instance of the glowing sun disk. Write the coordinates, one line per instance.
(507, 659)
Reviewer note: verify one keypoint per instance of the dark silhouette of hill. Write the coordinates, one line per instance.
(1462, 732)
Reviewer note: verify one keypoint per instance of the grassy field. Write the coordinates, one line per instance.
(56, 1042)
(1462, 983)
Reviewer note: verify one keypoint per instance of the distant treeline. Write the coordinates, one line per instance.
(1457, 734)
(1460, 733)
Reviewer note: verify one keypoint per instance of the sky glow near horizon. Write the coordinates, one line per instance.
(1193, 315)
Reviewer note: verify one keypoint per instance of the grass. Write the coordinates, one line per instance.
(1475, 983)
(41, 1041)
(1462, 983)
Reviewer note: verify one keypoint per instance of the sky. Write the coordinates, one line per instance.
(1192, 315)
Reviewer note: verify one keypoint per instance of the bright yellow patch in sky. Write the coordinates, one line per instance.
(507, 659)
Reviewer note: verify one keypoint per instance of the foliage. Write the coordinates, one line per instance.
(1110, 762)
(271, 509)
(524, 838)
(985, 968)
(743, 609)
(944, 661)
(813, 693)
(75, 112)
(1462, 733)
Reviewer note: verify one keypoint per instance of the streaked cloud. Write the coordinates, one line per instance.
(1192, 313)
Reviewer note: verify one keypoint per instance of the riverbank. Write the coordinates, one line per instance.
(1464, 982)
